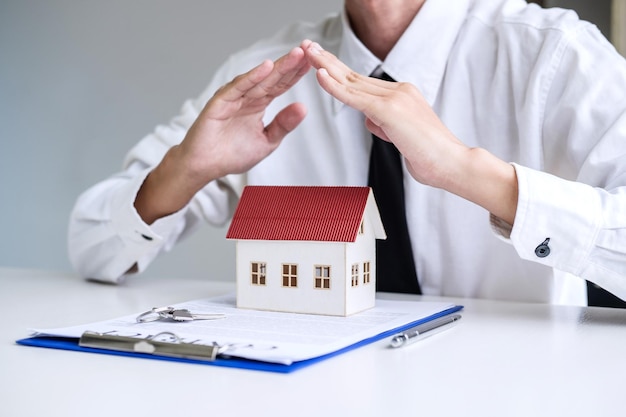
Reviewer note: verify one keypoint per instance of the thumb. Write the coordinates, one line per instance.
(375, 129)
(285, 121)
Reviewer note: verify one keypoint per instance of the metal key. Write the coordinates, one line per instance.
(182, 314)
(176, 314)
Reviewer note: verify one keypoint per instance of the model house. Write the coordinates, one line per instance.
(306, 249)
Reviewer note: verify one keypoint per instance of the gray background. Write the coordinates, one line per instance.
(81, 81)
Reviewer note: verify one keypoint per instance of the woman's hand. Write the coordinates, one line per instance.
(228, 137)
(397, 112)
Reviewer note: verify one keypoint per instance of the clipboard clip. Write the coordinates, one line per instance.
(150, 345)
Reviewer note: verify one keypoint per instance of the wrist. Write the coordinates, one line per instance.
(168, 187)
(486, 180)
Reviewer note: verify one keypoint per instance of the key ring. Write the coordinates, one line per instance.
(154, 314)
(179, 315)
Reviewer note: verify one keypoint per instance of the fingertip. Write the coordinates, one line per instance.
(325, 80)
(315, 48)
(296, 112)
(263, 69)
(265, 64)
(297, 51)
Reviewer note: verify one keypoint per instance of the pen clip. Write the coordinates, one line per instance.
(424, 330)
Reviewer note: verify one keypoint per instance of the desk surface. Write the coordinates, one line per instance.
(503, 359)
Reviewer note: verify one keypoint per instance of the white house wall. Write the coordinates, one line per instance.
(305, 298)
(362, 296)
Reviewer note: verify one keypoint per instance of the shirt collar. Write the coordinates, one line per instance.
(420, 55)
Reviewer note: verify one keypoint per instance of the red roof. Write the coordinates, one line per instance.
(323, 214)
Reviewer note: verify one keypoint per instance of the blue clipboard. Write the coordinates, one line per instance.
(72, 344)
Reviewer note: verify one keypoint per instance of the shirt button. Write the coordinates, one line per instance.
(543, 249)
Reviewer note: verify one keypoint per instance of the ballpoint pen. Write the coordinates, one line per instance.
(421, 331)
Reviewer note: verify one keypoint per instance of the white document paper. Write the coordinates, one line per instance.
(263, 335)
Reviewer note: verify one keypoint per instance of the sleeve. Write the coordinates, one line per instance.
(107, 239)
(578, 224)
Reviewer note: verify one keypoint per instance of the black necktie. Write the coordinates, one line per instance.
(395, 268)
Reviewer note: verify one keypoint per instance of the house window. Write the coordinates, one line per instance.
(290, 275)
(366, 272)
(355, 275)
(257, 273)
(362, 227)
(322, 277)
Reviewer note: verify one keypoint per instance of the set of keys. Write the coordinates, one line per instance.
(175, 314)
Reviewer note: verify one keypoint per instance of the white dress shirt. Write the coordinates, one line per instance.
(538, 88)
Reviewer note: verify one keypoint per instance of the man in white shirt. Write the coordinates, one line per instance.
(510, 119)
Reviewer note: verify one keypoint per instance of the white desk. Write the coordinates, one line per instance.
(503, 359)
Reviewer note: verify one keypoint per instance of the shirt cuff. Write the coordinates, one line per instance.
(557, 221)
(142, 242)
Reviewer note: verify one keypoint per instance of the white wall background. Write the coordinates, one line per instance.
(82, 80)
